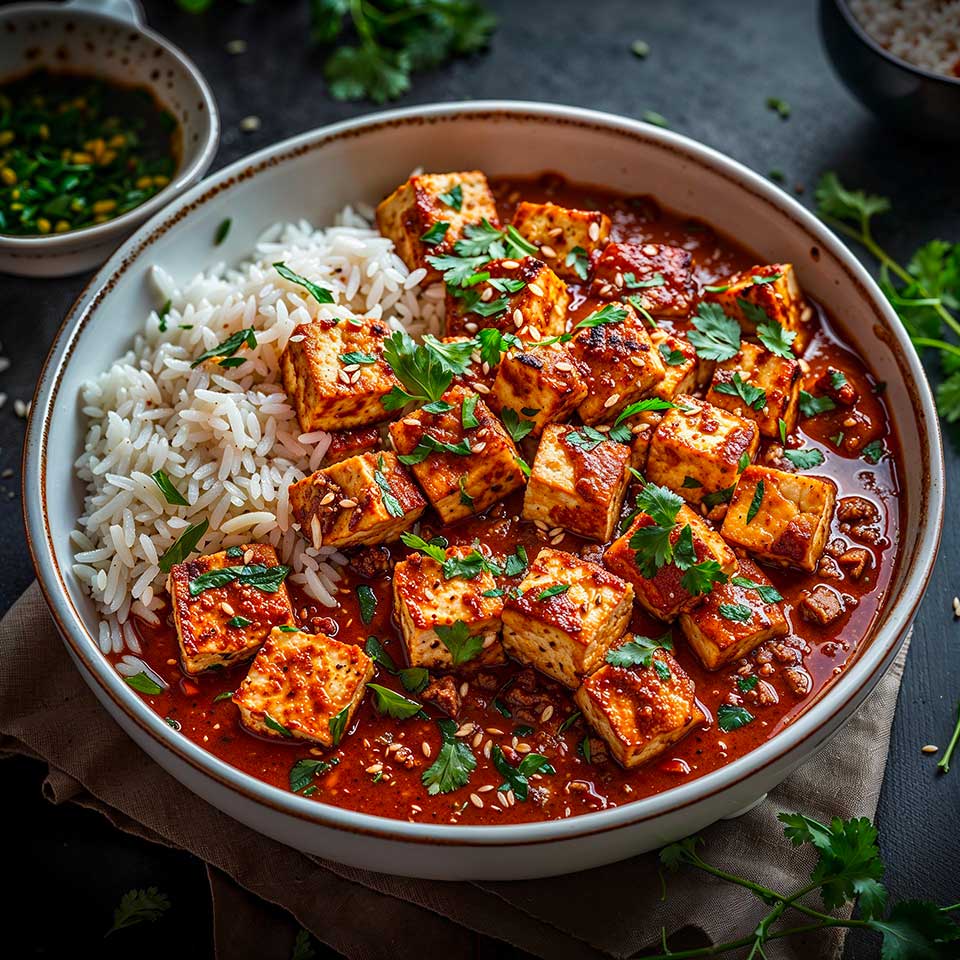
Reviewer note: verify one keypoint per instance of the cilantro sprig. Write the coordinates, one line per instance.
(425, 370)
(139, 906)
(848, 869)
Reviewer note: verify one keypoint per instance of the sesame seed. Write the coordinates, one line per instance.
(470, 327)
(509, 264)
(650, 249)
(227, 609)
(464, 687)
(488, 749)
(485, 368)
(327, 498)
(236, 46)
(511, 799)
(479, 448)
(464, 729)
(555, 531)
(480, 388)
(486, 788)
(563, 366)
(537, 289)
(487, 294)
(248, 556)
(517, 318)
(411, 421)
(555, 232)
(556, 540)
(375, 768)
(929, 748)
(956, 606)
(475, 800)
(524, 748)
(415, 809)
(547, 713)
(548, 252)
(351, 367)
(250, 124)
(594, 231)
(533, 333)
(477, 739)
(426, 748)
(606, 290)
(637, 361)
(502, 800)
(348, 504)
(611, 400)
(495, 731)
(618, 279)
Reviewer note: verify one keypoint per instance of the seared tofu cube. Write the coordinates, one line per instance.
(445, 622)
(624, 365)
(699, 451)
(366, 499)
(349, 443)
(221, 625)
(664, 595)
(335, 374)
(773, 288)
(524, 297)
(577, 481)
(462, 469)
(564, 616)
(781, 517)
(567, 238)
(660, 275)
(735, 618)
(680, 365)
(545, 379)
(755, 368)
(640, 711)
(642, 426)
(303, 686)
(421, 223)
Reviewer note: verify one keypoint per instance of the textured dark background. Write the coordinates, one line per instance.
(712, 65)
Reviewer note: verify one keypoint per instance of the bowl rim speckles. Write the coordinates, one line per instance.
(77, 250)
(493, 134)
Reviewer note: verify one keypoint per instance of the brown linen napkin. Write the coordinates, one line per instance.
(46, 711)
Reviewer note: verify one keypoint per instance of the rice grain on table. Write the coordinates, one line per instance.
(227, 438)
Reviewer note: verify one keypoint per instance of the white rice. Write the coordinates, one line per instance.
(227, 438)
(923, 32)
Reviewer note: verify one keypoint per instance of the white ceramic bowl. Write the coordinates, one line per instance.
(105, 38)
(315, 175)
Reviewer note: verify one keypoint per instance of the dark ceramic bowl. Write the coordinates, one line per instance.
(911, 98)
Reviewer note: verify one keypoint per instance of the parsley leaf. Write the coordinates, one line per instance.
(515, 425)
(453, 198)
(553, 591)
(578, 261)
(715, 335)
(414, 679)
(431, 549)
(671, 356)
(811, 406)
(735, 612)
(756, 502)
(768, 593)
(376, 651)
(777, 339)
(873, 451)
(320, 294)
(428, 445)
(639, 651)
(390, 503)
(702, 577)
(256, 575)
(461, 644)
(304, 772)
(454, 764)
(731, 718)
(585, 438)
(391, 703)
(516, 778)
(804, 459)
(139, 906)
(370, 70)
(752, 396)
(142, 682)
(493, 343)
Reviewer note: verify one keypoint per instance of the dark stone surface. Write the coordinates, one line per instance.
(711, 67)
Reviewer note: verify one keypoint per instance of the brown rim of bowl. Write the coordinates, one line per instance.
(43, 246)
(858, 29)
(917, 571)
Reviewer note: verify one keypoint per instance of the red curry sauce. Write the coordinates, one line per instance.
(381, 760)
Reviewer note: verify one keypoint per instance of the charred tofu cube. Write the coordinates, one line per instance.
(699, 451)
(640, 711)
(577, 481)
(366, 499)
(462, 457)
(624, 364)
(735, 618)
(564, 616)
(427, 215)
(524, 297)
(447, 621)
(661, 276)
(221, 625)
(567, 238)
(545, 384)
(772, 289)
(781, 517)
(335, 374)
(680, 365)
(303, 686)
(666, 595)
(736, 383)
(350, 443)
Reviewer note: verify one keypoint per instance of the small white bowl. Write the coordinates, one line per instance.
(108, 39)
(314, 175)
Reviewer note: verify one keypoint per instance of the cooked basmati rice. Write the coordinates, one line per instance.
(227, 437)
(922, 32)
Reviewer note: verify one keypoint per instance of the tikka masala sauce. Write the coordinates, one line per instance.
(379, 763)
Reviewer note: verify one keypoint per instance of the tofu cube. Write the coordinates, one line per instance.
(367, 499)
(640, 711)
(790, 516)
(660, 275)
(577, 481)
(327, 387)
(546, 379)
(570, 236)
(424, 599)
(774, 289)
(624, 365)
(680, 365)
(564, 616)
(664, 595)
(412, 216)
(734, 618)
(308, 685)
(209, 632)
(473, 378)
(778, 378)
(699, 451)
(537, 309)
(349, 443)
(459, 484)
(642, 426)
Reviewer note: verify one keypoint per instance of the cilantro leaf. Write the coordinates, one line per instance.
(454, 197)
(390, 503)
(304, 772)
(516, 777)
(184, 545)
(660, 503)
(391, 703)
(170, 493)
(671, 357)
(804, 459)
(768, 593)
(139, 906)
(493, 343)
(229, 347)
(914, 930)
(752, 396)
(715, 335)
(431, 549)
(518, 427)
(355, 73)
(435, 234)
(414, 679)
(639, 651)
(777, 339)
(585, 438)
(735, 612)
(578, 261)
(730, 717)
(461, 644)
(320, 294)
(811, 406)
(376, 651)
(454, 764)
(851, 206)
(702, 577)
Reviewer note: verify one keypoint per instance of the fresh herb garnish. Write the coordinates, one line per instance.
(425, 370)
(468, 412)
(756, 502)
(804, 459)
(873, 451)
(631, 282)
(671, 356)
(436, 234)
(229, 347)
(348, 359)
(553, 591)
(320, 294)
(752, 396)
(453, 198)
(782, 428)
(776, 338)
(162, 315)
(414, 679)
(585, 438)
(367, 601)
(578, 261)
(337, 725)
(304, 772)
(639, 651)
(640, 49)
(257, 575)
(428, 444)
(735, 612)
(780, 107)
(715, 335)
(224, 695)
(746, 684)
(392, 703)
(184, 545)
(516, 778)
(276, 726)
(493, 344)
(139, 906)
(461, 644)
(239, 622)
(654, 118)
(465, 497)
(170, 493)
(768, 593)
(518, 427)
(430, 548)
(569, 722)
(811, 406)
(454, 764)
(142, 682)
(716, 497)
(222, 232)
(390, 503)
(731, 718)
(376, 651)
